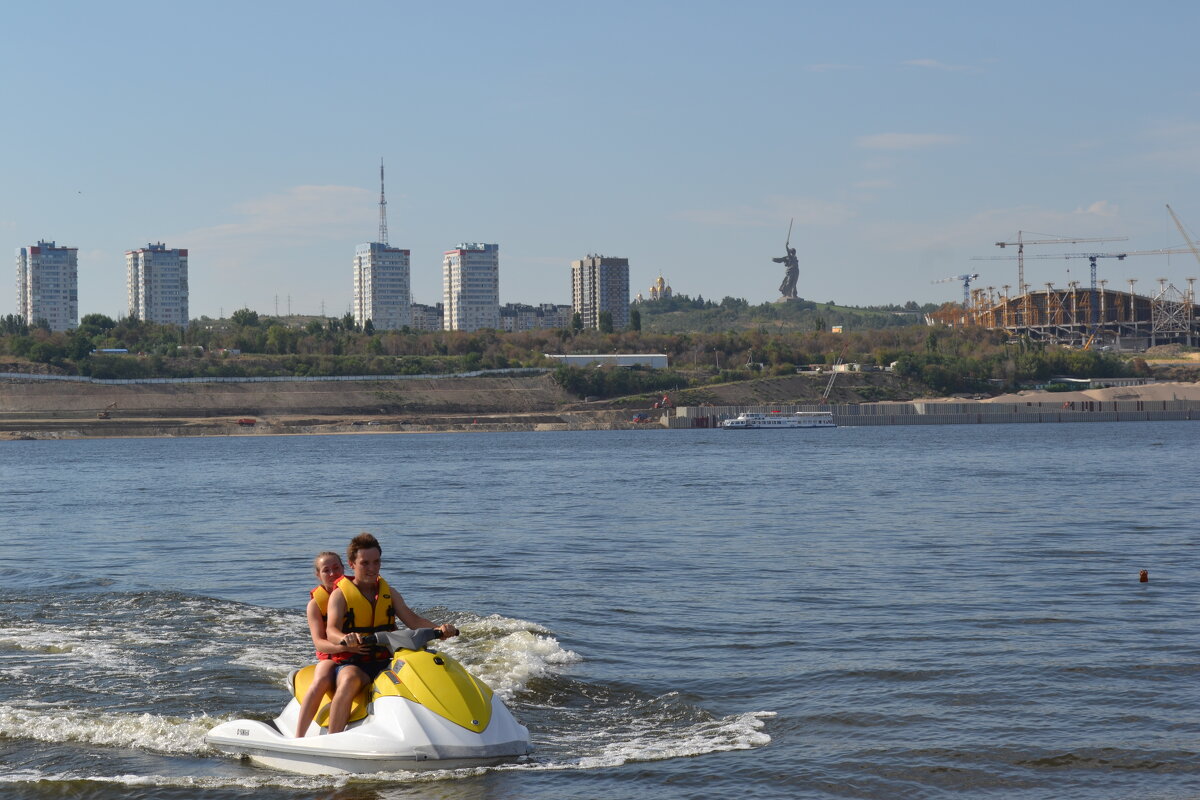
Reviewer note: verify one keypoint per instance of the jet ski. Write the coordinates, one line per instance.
(424, 712)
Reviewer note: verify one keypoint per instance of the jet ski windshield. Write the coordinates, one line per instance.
(404, 639)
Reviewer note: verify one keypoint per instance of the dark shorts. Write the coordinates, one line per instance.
(372, 668)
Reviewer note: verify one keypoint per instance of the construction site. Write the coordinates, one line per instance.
(1091, 316)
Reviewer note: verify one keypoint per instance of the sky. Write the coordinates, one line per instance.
(903, 139)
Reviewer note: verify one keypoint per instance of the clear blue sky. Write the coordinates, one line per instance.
(904, 138)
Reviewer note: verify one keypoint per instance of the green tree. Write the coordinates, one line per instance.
(606, 322)
(635, 319)
(11, 324)
(245, 318)
(97, 323)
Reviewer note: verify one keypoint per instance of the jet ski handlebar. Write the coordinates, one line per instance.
(404, 639)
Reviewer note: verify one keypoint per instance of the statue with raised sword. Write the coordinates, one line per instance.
(787, 289)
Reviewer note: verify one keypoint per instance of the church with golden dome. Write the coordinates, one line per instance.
(659, 290)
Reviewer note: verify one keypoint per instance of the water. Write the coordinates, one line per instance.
(918, 612)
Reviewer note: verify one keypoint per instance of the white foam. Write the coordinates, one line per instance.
(266, 780)
(48, 643)
(647, 740)
(150, 732)
(506, 653)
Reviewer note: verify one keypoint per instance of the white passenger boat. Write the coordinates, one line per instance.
(800, 419)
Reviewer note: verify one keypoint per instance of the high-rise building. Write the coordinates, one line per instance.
(157, 282)
(382, 278)
(381, 286)
(599, 284)
(48, 285)
(471, 287)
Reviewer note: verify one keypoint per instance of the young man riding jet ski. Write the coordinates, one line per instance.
(360, 606)
(418, 708)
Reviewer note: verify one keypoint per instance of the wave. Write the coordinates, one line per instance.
(155, 671)
(154, 733)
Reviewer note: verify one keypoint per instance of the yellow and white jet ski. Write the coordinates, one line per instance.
(424, 712)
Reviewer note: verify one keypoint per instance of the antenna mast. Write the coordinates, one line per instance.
(383, 234)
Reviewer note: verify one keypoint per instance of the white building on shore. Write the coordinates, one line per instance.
(156, 280)
(48, 285)
(471, 287)
(381, 286)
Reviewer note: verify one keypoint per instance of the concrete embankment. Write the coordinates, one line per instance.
(963, 412)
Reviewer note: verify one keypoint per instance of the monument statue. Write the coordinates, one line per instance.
(787, 289)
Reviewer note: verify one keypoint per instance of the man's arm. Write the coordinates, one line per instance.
(412, 619)
(336, 612)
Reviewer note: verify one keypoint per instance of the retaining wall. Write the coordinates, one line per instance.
(966, 413)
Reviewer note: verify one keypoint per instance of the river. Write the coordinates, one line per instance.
(918, 612)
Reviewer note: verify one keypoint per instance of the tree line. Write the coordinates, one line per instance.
(248, 345)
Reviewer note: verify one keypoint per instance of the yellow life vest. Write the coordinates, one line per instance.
(321, 595)
(360, 616)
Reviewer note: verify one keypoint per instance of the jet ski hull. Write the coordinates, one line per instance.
(398, 735)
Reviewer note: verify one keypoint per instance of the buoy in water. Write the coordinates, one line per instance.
(1144, 576)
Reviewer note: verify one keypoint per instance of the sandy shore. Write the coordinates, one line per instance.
(1152, 391)
(45, 411)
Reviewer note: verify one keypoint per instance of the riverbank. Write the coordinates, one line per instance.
(56, 410)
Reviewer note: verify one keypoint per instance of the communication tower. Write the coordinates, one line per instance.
(383, 234)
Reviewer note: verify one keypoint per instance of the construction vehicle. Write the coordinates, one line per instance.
(107, 412)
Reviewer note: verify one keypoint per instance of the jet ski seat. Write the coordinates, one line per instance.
(302, 678)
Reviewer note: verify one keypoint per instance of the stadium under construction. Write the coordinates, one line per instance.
(1090, 317)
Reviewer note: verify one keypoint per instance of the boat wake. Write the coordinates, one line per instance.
(91, 692)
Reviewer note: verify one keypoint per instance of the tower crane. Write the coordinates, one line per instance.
(1022, 241)
(966, 282)
(1183, 233)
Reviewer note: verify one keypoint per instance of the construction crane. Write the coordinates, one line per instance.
(966, 282)
(1187, 239)
(1022, 241)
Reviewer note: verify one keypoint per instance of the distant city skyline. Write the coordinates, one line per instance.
(903, 139)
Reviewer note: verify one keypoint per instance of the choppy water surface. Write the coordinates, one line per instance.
(859, 613)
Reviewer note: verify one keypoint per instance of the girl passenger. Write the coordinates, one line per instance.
(329, 570)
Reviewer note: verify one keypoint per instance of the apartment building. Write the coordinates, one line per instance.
(382, 291)
(600, 284)
(471, 287)
(156, 280)
(48, 285)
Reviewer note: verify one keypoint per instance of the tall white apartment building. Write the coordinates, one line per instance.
(48, 285)
(599, 284)
(156, 279)
(382, 290)
(471, 287)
